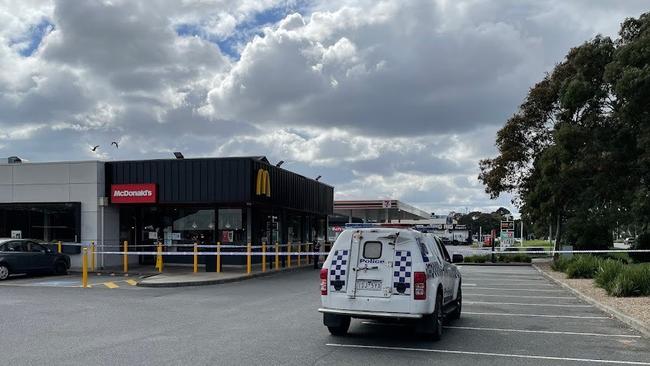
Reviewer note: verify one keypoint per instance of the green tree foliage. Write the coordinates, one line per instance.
(577, 153)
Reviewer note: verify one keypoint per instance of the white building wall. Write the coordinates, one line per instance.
(63, 182)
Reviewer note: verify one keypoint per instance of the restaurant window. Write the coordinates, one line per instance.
(42, 221)
(231, 225)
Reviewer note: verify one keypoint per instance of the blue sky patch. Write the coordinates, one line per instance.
(246, 30)
(30, 41)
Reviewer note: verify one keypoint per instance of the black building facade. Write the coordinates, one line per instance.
(233, 201)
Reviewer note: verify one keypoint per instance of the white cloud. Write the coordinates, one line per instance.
(383, 98)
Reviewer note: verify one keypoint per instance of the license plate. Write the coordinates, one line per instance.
(371, 285)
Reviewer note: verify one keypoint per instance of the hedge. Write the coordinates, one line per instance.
(615, 276)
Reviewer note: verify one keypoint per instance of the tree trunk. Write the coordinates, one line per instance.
(558, 232)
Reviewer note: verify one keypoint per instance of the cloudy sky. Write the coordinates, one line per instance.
(384, 99)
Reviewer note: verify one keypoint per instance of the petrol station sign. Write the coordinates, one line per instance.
(507, 236)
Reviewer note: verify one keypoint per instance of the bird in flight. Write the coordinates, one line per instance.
(94, 148)
(116, 145)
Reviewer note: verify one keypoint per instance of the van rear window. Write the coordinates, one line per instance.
(372, 250)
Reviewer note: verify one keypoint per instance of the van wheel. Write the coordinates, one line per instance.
(4, 272)
(342, 328)
(60, 268)
(437, 318)
(455, 315)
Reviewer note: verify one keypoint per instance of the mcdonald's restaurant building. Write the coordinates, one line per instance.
(177, 202)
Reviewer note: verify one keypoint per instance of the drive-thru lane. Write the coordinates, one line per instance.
(273, 321)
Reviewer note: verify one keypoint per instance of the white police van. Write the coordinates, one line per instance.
(389, 273)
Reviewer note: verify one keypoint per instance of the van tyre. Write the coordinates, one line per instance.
(455, 315)
(342, 328)
(60, 268)
(437, 319)
(4, 271)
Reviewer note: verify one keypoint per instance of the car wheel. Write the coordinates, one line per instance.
(459, 305)
(342, 328)
(4, 272)
(60, 268)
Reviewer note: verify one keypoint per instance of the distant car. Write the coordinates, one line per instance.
(28, 256)
(629, 241)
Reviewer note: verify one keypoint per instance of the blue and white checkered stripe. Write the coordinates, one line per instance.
(402, 272)
(338, 270)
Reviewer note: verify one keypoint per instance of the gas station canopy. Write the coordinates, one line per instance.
(378, 211)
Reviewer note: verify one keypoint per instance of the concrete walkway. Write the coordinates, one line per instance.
(185, 278)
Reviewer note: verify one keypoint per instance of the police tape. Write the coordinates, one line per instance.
(489, 252)
(269, 253)
(99, 245)
(273, 253)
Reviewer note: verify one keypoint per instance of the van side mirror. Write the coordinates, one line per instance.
(457, 258)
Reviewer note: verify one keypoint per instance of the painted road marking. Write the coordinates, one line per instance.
(132, 282)
(521, 296)
(538, 315)
(525, 304)
(517, 289)
(505, 280)
(546, 332)
(505, 355)
(111, 285)
(504, 283)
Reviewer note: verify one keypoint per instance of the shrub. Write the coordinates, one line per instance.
(642, 242)
(633, 280)
(561, 263)
(475, 259)
(621, 257)
(584, 266)
(515, 258)
(607, 272)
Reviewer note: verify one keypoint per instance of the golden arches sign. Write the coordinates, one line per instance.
(263, 186)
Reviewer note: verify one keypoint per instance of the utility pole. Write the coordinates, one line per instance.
(522, 231)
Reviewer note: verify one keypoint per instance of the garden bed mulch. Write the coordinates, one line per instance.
(634, 307)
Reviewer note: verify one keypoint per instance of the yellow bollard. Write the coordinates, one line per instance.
(58, 246)
(264, 257)
(299, 251)
(196, 258)
(218, 257)
(92, 255)
(84, 268)
(277, 256)
(125, 256)
(288, 255)
(159, 258)
(248, 258)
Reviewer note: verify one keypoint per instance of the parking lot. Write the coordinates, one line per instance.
(511, 316)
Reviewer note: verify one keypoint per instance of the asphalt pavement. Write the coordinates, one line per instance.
(511, 316)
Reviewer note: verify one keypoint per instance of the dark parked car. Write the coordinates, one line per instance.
(28, 256)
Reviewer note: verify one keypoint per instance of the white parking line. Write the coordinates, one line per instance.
(506, 283)
(521, 296)
(526, 304)
(537, 315)
(516, 289)
(507, 279)
(508, 355)
(546, 332)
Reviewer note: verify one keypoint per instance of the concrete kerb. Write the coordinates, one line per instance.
(218, 281)
(632, 322)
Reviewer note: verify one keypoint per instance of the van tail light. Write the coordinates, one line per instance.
(323, 281)
(420, 287)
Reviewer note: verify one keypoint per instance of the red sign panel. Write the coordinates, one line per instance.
(134, 193)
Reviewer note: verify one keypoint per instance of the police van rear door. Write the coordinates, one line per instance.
(371, 261)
